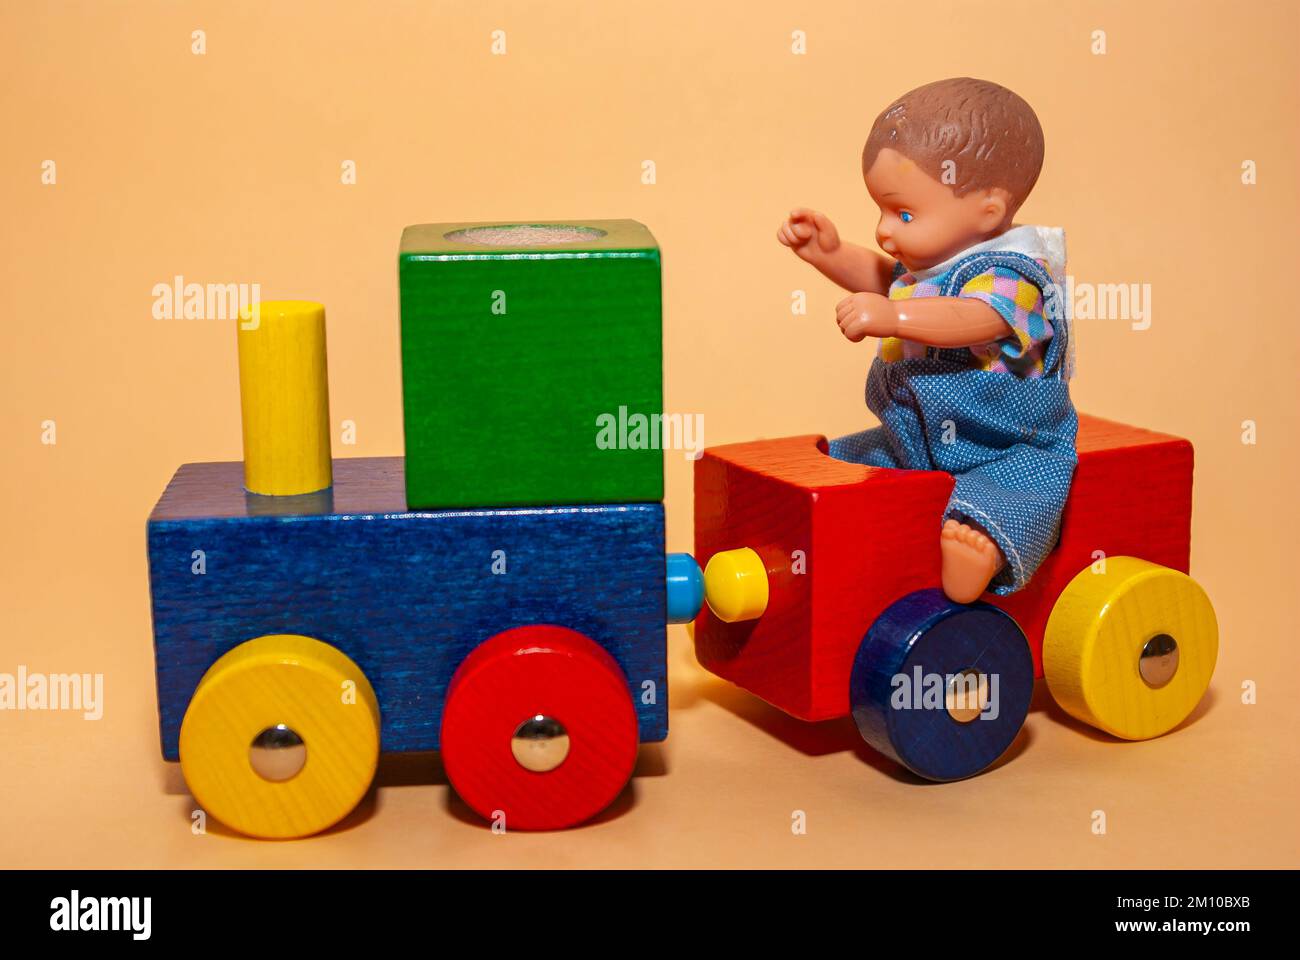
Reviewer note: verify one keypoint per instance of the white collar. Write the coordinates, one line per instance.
(1040, 243)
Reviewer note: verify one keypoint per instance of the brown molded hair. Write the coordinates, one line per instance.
(990, 133)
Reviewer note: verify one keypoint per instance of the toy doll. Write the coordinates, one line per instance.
(972, 373)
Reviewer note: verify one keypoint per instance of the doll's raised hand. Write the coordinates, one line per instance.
(808, 233)
(864, 315)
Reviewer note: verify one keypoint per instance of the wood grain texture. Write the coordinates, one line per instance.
(852, 530)
(315, 691)
(926, 639)
(1131, 496)
(1094, 641)
(871, 537)
(526, 672)
(284, 397)
(406, 595)
(501, 408)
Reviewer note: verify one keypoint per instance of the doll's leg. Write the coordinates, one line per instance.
(971, 559)
(871, 447)
(1002, 520)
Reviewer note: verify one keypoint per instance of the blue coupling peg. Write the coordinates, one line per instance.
(685, 588)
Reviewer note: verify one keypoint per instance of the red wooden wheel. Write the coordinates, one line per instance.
(539, 729)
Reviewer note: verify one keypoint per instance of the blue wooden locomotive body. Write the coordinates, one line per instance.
(406, 595)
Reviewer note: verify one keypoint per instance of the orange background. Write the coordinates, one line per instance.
(225, 167)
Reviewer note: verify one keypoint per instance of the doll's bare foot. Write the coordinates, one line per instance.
(970, 559)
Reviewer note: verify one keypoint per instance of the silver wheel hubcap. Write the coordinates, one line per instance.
(277, 753)
(540, 744)
(1159, 660)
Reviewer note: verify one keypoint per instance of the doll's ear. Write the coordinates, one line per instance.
(993, 209)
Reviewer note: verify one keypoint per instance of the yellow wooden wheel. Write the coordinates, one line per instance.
(281, 738)
(1130, 651)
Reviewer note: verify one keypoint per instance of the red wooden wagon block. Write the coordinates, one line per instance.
(841, 542)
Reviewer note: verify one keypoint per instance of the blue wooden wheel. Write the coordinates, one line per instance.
(941, 687)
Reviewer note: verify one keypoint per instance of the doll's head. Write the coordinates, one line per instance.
(949, 164)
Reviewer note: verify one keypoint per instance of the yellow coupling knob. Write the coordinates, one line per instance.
(735, 585)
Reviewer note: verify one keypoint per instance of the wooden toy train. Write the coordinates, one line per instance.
(501, 593)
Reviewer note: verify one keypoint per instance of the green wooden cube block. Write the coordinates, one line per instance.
(520, 345)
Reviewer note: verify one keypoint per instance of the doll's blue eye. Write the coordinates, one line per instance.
(905, 217)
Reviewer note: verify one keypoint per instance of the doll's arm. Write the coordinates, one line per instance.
(934, 321)
(949, 321)
(814, 239)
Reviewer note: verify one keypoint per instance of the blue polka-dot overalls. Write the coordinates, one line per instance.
(1007, 440)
